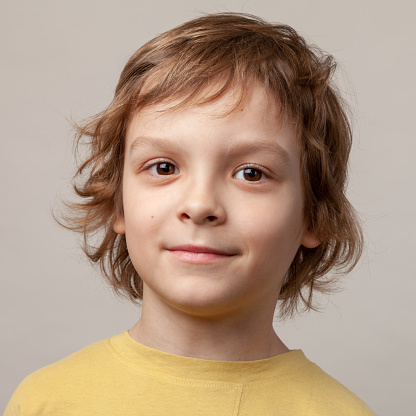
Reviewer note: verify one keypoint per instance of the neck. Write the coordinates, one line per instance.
(238, 337)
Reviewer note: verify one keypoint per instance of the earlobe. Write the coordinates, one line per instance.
(119, 225)
(310, 239)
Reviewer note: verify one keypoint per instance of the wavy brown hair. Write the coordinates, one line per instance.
(221, 51)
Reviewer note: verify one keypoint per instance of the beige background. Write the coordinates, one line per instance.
(62, 58)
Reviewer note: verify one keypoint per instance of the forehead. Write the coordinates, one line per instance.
(251, 99)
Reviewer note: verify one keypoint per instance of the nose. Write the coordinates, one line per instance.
(201, 205)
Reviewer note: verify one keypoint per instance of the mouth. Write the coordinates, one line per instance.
(199, 254)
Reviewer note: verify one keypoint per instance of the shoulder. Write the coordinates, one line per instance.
(58, 379)
(78, 363)
(323, 395)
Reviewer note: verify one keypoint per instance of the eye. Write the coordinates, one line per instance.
(163, 169)
(249, 174)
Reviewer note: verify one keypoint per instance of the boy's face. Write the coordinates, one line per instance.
(213, 205)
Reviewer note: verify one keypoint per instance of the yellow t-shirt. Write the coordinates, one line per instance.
(118, 376)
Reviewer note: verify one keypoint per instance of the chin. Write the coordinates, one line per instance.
(203, 301)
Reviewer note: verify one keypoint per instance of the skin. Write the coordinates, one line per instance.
(213, 218)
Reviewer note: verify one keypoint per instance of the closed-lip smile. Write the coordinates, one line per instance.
(199, 254)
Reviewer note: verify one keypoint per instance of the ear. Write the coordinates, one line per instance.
(310, 239)
(119, 225)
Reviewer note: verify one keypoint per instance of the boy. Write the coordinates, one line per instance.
(216, 178)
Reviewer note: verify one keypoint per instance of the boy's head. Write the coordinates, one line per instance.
(193, 66)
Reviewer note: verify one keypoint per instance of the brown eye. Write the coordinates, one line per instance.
(163, 169)
(249, 174)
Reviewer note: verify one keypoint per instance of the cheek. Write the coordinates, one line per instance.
(141, 232)
(274, 233)
(141, 226)
(141, 209)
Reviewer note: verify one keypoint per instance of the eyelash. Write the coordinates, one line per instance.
(254, 167)
(157, 162)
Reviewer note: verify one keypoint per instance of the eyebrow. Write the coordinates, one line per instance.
(259, 145)
(243, 148)
(153, 142)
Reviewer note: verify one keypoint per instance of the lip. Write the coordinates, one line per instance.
(199, 254)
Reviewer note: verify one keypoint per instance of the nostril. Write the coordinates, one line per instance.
(211, 218)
